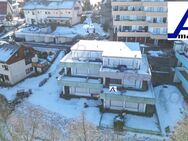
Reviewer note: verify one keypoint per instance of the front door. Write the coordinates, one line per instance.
(107, 81)
(66, 90)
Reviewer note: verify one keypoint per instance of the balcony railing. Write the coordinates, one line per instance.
(183, 77)
(129, 19)
(83, 82)
(182, 58)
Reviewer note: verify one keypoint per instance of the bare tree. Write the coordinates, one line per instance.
(82, 130)
(181, 131)
(28, 124)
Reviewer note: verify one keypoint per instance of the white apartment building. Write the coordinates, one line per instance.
(142, 21)
(67, 12)
(181, 72)
(15, 63)
(92, 67)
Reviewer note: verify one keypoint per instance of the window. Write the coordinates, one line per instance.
(115, 81)
(5, 67)
(26, 52)
(6, 77)
(29, 70)
(131, 105)
(164, 20)
(116, 103)
(27, 61)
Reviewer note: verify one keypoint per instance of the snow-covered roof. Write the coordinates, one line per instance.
(43, 4)
(7, 50)
(110, 48)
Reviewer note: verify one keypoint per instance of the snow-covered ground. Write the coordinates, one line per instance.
(132, 121)
(156, 53)
(170, 106)
(169, 102)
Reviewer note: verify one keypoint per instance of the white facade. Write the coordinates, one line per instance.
(93, 66)
(16, 72)
(61, 12)
(15, 63)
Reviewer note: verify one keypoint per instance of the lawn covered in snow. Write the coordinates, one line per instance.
(170, 105)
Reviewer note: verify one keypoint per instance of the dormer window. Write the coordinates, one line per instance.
(26, 52)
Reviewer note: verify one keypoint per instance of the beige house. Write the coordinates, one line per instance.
(66, 12)
(140, 20)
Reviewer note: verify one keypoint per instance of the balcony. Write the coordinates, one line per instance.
(129, 23)
(68, 61)
(146, 97)
(128, 13)
(133, 34)
(82, 82)
(157, 14)
(154, 3)
(183, 77)
(155, 24)
(182, 58)
(126, 3)
(158, 36)
(120, 74)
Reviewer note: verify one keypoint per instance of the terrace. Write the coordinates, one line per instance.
(83, 82)
(142, 73)
(146, 97)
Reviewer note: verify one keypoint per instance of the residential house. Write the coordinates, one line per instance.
(67, 12)
(92, 68)
(15, 62)
(181, 71)
(142, 21)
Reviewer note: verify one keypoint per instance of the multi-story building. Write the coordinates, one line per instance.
(92, 68)
(15, 62)
(49, 11)
(181, 72)
(140, 20)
